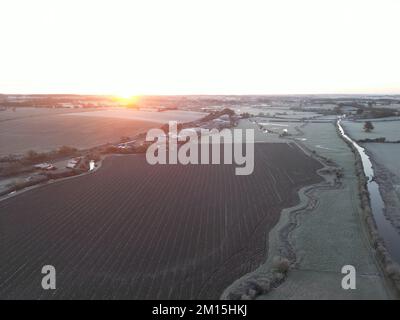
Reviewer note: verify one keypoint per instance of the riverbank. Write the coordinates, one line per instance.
(282, 256)
(324, 235)
(386, 166)
(389, 266)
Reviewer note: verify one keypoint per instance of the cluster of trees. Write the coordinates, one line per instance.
(376, 112)
(33, 157)
(217, 114)
(368, 126)
(382, 112)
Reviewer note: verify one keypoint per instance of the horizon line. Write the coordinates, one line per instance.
(204, 94)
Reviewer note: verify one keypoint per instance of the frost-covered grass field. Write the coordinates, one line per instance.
(279, 112)
(329, 236)
(274, 128)
(299, 115)
(388, 154)
(388, 129)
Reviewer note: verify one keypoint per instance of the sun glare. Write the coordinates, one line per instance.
(125, 98)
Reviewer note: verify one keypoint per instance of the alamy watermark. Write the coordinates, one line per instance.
(183, 147)
(349, 280)
(49, 280)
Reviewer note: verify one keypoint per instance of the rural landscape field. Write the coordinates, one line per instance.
(200, 158)
(44, 130)
(131, 230)
(116, 227)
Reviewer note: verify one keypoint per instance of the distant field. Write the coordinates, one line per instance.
(298, 115)
(48, 129)
(131, 230)
(159, 117)
(280, 112)
(387, 154)
(388, 129)
(24, 112)
(261, 136)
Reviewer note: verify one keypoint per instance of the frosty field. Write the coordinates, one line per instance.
(388, 129)
(387, 154)
(46, 130)
(327, 232)
(131, 230)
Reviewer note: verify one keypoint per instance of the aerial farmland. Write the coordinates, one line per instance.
(199, 158)
(134, 231)
(45, 129)
(78, 193)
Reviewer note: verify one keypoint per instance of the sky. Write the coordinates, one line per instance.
(199, 47)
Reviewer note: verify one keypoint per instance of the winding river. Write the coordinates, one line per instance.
(388, 233)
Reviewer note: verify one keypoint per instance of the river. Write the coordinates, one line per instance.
(386, 230)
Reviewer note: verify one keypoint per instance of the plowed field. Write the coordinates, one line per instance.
(136, 231)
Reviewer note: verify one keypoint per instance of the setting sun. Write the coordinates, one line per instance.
(218, 151)
(125, 98)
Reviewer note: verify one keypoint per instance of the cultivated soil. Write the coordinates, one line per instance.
(135, 231)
